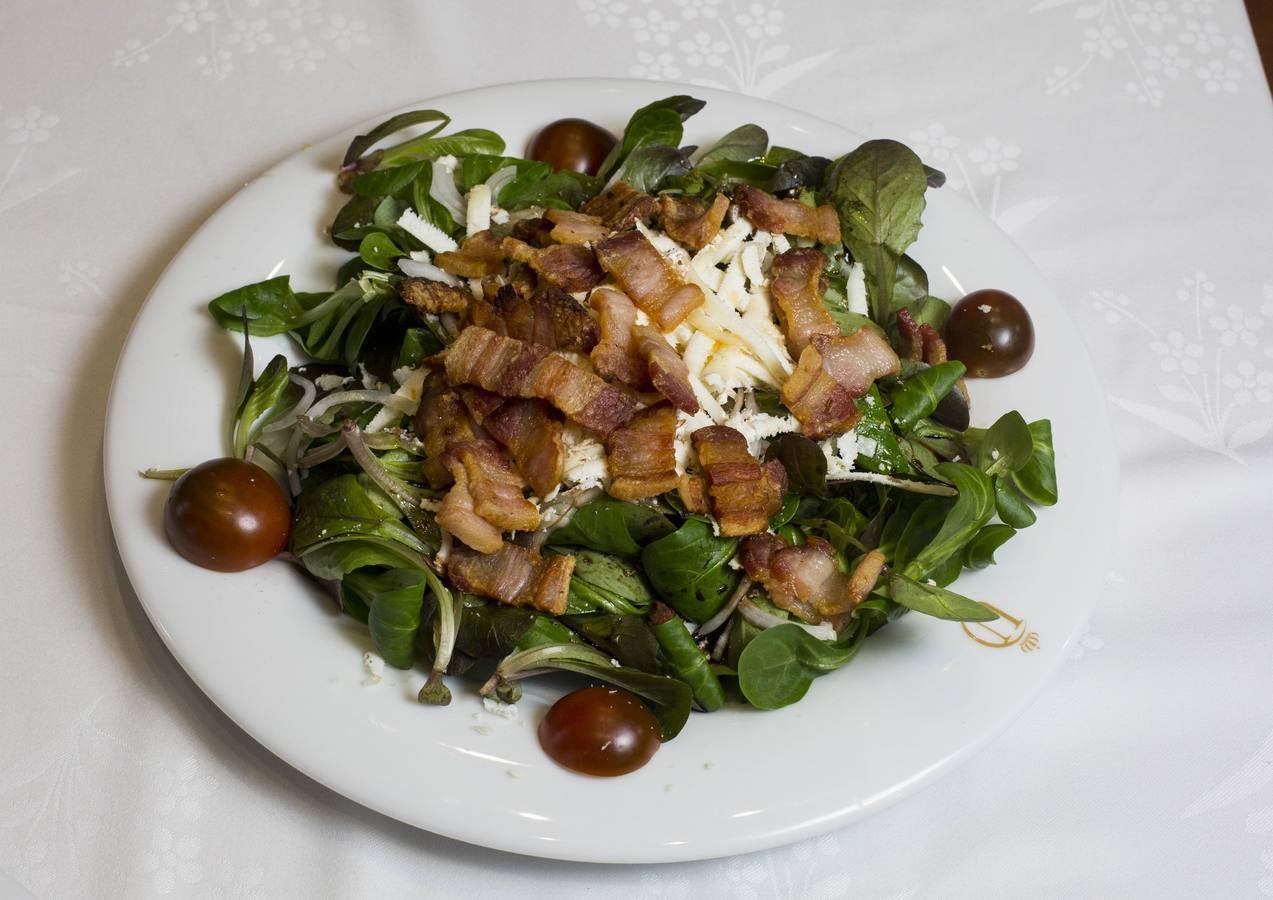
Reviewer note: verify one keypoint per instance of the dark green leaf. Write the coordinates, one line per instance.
(612, 526)
(563, 190)
(378, 249)
(363, 142)
(878, 449)
(604, 582)
(935, 177)
(744, 144)
(980, 551)
(544, 631)
(417, 343)
(397, 597)
(492, 631)
(917, 396)
(261, 405)
(804, 462)
(652, 168)
(1011, 508)
(270, 307)
(1037, 478)
(1006, 446)
(688, 663)
(777, 667)
(972, 509)
(688, 570)
(658, 123)
(627, 638)
(911, 285)
(936, 601)
(347, 506)
(921, 527)
(878, 192)
(461, 143)
(386, 181)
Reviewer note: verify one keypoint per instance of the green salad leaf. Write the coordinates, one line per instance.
(932, 600)
(612, 526)
(688, 569)
(777, 666)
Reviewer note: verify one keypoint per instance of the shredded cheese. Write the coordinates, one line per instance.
(426, 233)
(479, 209)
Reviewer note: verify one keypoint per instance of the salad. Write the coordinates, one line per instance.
(685, 422)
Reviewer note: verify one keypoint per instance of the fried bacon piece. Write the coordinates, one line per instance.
(768, 213)
(575, 228)
(570, 267)
(689, 221)
(513, 575)
(486, 487)
(516, 368)
(641, 454)
(638, 355)
(692, 489)
(441, 420)
(615, 354)
(529, 431)
(621, 206)
(648, 279)
(832, 373)
(923, 342)
(479, 255)
(806, 580)
(797, 285)
(434, 297)
(743, 493)
(549, 316)
(534, 231)
(668, 372)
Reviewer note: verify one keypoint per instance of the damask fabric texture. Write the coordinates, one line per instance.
(1123, 143)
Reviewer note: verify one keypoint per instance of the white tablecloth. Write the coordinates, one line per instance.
(1125, 144)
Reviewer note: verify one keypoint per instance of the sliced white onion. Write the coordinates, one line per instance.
(384, 398)
(498, 181)
(308, 393)
(764, 619)
(443, 190)
(417, 269)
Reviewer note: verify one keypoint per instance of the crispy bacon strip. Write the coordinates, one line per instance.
(687, 220)
(638, 355)
(743, 493)
(832, 373)
(648, 279)
(575, 228)
(479, 255)
(641, 454)
(806, 580)
(513, 575)
(458, 516)
(621, 206)
(692, 489)
(533, 437)
(441, 421)
(768, 213)
(516, 368)
(570, 267)
(494, 486)
(615, 355)
(534, 231)
(797, 285)
(434, 296)
(549, 316)
(668, 372)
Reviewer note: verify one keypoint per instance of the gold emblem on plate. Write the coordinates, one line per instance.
(1005, 631)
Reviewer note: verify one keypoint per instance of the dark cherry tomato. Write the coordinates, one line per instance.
(228, 515)
(574, 145)
(600, 731)
(990, 332)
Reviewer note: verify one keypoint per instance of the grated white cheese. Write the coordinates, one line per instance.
(411, 386)
(855, 290)
(479, 209)
(721, 246)
(757, 427)
(781, 244)
(496, 708)
(426, 233)
(417, 269)
(374, 666)
(585, 463)
(841, 453)
(687, 424)
(331, 382)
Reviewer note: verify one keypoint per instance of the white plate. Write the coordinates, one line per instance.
(270, 651)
